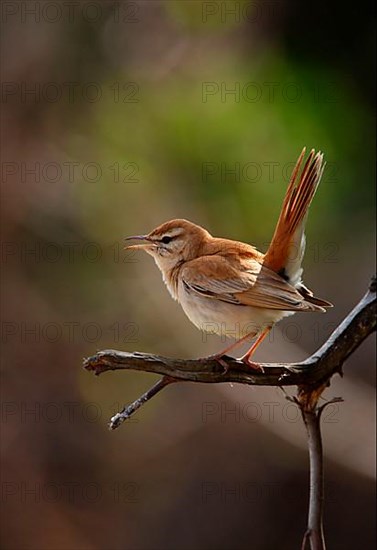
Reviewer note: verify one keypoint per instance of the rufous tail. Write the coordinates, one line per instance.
(286, 251)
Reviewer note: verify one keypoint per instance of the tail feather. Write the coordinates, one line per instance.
(309, 297)
(285, 253)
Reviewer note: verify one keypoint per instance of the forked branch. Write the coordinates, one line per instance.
(311, 377)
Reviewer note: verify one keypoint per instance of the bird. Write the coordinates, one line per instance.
(230, 288)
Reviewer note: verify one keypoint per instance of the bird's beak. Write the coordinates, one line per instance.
(145, 246)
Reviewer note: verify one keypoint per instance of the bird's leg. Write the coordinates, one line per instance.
(235, 344)
(246, 358)
(219, 356)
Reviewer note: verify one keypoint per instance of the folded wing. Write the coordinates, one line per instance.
(255, 286)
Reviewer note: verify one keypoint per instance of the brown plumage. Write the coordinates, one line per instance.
(221, 283)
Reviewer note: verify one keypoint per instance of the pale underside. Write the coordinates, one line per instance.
(244, 298)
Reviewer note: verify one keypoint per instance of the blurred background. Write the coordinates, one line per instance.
(118, 116)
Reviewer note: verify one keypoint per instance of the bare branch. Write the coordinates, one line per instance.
(314, 532)
(311, 377)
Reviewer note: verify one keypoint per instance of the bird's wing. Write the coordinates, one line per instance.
(257, 286)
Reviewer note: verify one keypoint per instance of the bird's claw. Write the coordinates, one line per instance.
(254, 366)
(220, 359)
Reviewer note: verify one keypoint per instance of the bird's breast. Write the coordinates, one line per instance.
(223, 318)
(169, 276)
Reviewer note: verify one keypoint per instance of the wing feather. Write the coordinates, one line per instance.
(215, 277)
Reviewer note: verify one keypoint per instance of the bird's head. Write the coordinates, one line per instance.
(172, 243)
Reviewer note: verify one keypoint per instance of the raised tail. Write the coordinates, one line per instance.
(286, 251)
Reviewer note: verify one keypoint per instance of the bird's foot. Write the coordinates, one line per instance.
(254, 366)
(220, 358)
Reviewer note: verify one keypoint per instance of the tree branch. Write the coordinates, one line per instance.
(311, 377)
(314, 531)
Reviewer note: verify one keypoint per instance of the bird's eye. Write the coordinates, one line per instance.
(166, 239)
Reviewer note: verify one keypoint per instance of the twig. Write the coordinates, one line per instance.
(129, 410)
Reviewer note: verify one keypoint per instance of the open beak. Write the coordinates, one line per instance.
(144, 246)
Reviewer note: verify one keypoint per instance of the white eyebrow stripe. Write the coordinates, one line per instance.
(172, 233)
